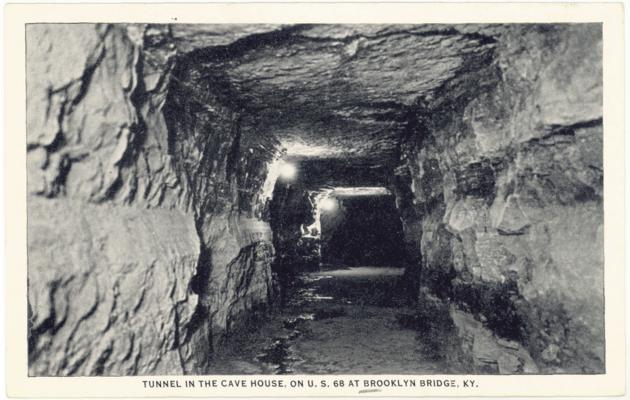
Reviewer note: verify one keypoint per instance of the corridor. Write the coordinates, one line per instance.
(343, 321)
(314, 198)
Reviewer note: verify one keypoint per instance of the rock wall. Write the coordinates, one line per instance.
(501, 190)
(146, 211)
(292, 210)
(108, 288)
(226, 172)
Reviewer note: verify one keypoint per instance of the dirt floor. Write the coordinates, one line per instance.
(342, 321)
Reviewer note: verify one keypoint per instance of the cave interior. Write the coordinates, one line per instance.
(442, 179)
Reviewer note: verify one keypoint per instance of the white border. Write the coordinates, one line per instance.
(560, 385)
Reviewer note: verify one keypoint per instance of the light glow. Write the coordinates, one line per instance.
(328, 204)
(297, 147)
(327, 200)
(360, 191)
(287, 171)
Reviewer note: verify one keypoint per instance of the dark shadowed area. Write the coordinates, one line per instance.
(363, 231)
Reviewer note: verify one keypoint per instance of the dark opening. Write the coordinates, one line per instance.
(362, 231)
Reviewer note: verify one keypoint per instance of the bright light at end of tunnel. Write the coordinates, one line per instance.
(328, 204)
(288, 171)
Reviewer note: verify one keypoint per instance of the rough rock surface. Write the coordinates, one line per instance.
(134, 188)
(337, 90)
(108, 288)
(506, 200)
(241, 277)
(149, 153)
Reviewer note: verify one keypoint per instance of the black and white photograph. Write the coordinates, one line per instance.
(325, 199)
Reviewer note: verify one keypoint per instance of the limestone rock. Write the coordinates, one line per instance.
(129, 268)
(124, 170)
(523, 137)
(246, 285)
(467, 213)
(491, 354)
(512, 220)
(550, 354)
(343, 88)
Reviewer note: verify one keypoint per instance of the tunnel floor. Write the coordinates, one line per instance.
(338, 321)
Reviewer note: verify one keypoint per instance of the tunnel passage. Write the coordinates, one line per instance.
(160, 154)
(361, 230)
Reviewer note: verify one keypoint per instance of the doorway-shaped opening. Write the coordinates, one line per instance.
(362, 247)
(361, 231)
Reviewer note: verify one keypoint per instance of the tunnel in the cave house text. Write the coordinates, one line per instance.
(314, 199)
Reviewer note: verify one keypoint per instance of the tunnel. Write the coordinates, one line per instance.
(361, 230)
(314, 199)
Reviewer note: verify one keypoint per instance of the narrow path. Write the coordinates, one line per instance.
(344, 321)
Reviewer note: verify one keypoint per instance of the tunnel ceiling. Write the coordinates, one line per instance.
(327, 91)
